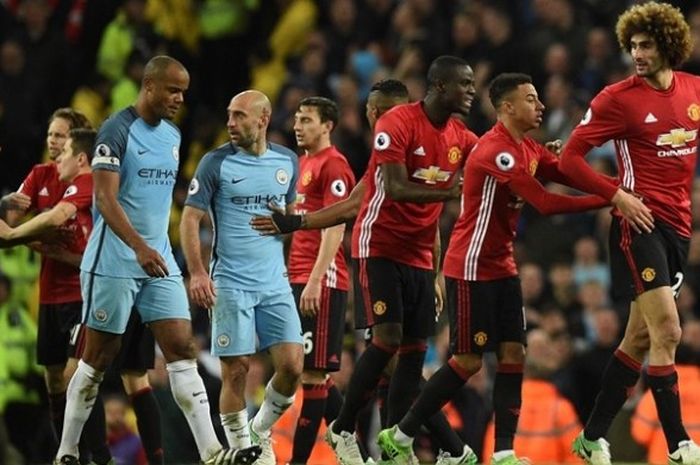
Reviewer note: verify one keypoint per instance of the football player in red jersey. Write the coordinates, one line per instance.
(484, 298)
(317, 269)
(653, 117)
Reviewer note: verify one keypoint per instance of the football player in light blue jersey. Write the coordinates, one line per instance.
(247, 286)
(129, 263)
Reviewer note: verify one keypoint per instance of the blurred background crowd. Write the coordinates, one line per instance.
(90, 55)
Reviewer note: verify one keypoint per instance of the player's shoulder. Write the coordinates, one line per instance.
(120, 121)
(335, 156)
(405, 114)
(170, 127)
(213, 159)
(44, 169)
(494, 142)
(284, 152)
(623, 88)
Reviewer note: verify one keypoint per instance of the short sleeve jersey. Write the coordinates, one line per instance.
(405, 231)
(146, 158)
(481, 244)
(656, 135)
(233, 186)
(58, 281)
(325, 178)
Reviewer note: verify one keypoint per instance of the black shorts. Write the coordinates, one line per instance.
(641, 262)
(58, 332)
(138, 350)
(484, 314)
(323, 333)
(390, 292)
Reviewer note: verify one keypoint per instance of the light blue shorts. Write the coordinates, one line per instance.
(239, 316)
(107, 301)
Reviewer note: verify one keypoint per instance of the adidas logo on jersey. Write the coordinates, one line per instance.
(44, 192)
(420, 151)
(650, 118)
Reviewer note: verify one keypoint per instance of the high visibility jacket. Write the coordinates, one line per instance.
(646, 428)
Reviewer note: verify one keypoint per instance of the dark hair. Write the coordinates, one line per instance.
(390, 88)
(442, 69)
(75, 118)
(503, 84)
(156, 66)
(327, 108)
(83, 140)
(662, 22)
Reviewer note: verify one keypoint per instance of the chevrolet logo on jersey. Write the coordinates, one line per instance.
(432, 175)
(677, 137)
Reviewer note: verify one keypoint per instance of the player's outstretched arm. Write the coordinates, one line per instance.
(548, 203)
(13, 207)
(400, 189)
(106, 189)
(201, 287)
(339, 212)
(30, 230)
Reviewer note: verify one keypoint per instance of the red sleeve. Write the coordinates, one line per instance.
(337, 181)
(499, 161)
(391, 138)
(28, 186)
(548, 203)
(471, 141)
(573, 165)
(549, 168)
(604, 120)
(79, 193)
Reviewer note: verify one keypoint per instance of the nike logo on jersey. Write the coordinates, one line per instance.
(236, 181)
(196, 394)
(142, 151)
(420, 151)
(44, 192)
(650, 118)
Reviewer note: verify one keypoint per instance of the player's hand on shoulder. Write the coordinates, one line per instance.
(202, 290)
(278, 223)
(554, 146)
(633, 210)
(16, 201)
(151, 262)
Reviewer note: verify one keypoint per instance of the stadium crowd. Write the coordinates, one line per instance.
(91, 56)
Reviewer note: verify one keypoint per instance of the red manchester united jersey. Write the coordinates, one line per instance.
(655, 134)
(405, 231)
(325, 178)
(60, 282)
(481, 244)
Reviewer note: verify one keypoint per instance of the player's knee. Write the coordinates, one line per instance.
(235, 369)
(291, 369)
(179, 349)
(468, 363)
(636, 344)
(387, 336)
(668, 333)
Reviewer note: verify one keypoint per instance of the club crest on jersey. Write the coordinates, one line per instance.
(505, 161)
(382, 141)
(306, 178)
(282, 176)
(677, 137)
(176, 153)
(432, 174)
(338, 188)
(694, 112)
(533, 167)
(648, 274)
(194, 187)
(100, 315)
(379, 307)
(454, 155)
(586, 117)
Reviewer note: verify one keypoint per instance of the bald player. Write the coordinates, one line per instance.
(128, 262)
(246, 283)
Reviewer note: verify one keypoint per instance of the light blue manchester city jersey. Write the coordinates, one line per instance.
(234, 186)
(146, 158)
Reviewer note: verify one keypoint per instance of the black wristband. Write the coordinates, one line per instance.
(286, 223)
